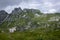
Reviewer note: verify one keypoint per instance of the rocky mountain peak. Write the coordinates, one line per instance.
(17, 10)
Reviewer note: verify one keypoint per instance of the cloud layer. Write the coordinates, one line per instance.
(46, 6)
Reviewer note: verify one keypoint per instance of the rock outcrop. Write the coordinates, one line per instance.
(3, 16)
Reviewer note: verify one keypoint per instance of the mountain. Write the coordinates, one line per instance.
(20, 18)
(26, 19)
(29, 24)
(15, 14)
(16, 10)
(3, 15)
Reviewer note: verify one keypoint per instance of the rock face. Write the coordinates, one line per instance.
(17, 10)
(3, 15)
(15, 14)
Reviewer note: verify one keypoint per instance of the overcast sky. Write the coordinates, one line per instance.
(46, 6)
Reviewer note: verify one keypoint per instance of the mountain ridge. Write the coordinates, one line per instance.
(27, 19)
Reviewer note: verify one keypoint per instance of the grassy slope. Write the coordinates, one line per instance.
(37, 34)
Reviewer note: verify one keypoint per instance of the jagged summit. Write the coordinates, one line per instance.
(16, 10)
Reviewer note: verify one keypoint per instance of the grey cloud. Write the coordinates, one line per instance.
(5, 3)
(10, 4)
